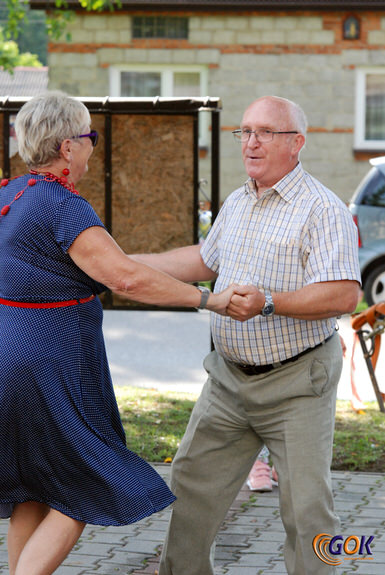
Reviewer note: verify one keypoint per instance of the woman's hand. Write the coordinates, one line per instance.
(219, 302)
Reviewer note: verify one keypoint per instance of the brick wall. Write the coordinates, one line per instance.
(299, 55)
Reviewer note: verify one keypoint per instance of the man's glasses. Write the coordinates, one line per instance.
(93, 136)
(262, 135)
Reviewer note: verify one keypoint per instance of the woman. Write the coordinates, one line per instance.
(63, 460)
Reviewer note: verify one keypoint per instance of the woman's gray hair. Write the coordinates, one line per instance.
(44, 122)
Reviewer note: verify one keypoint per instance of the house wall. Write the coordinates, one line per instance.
(298, 55)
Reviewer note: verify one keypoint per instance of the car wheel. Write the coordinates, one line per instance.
(374, 288)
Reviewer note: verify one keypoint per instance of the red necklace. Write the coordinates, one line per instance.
(48, 177)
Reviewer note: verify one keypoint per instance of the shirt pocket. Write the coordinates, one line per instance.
(277, 266)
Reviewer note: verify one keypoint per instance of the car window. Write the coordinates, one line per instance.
(373, 193)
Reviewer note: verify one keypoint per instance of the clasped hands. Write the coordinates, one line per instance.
(241, 302)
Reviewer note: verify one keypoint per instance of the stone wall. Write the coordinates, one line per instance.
(299, 55)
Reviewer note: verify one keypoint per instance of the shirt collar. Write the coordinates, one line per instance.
(286, 187)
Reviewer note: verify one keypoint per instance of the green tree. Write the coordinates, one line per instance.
(33, 34)
(17, 19)
(58, 14)
(11, 57)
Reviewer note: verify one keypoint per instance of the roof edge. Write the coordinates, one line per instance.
(112, 104)
(225, 5)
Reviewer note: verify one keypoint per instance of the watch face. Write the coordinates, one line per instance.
(268, 309)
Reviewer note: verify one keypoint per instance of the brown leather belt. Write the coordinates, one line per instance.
(259, 369)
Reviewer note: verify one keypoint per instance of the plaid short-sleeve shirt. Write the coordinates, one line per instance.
(297, 233)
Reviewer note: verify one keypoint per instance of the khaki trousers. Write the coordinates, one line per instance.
(291, 410)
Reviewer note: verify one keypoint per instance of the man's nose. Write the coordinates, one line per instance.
(253, 139)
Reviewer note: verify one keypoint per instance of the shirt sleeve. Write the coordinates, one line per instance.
(333, 249)
(209, 249)
(73, 216)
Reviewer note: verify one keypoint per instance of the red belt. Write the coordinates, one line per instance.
(47, 304)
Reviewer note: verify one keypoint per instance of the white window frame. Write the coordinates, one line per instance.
(166, 86)
(360, 143)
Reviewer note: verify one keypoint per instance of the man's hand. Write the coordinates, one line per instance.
(312, 302)
(246, 303)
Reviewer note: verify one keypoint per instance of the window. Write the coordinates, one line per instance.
(370, 109)
(140, 84)
(152, 81)
(137, 84)
(159, 27)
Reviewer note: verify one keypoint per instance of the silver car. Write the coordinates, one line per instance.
(368, 209)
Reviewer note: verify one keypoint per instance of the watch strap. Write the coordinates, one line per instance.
(268, 308)
(205, 294)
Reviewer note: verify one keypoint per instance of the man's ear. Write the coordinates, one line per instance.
(299, 142)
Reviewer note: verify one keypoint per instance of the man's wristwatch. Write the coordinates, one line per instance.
(204, 297)
(269, 307)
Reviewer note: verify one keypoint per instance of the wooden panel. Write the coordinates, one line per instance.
(153, 178)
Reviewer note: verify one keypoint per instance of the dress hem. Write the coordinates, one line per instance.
(75, 516)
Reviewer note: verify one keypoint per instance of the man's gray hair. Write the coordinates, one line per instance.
(298, 117)
(44, 122)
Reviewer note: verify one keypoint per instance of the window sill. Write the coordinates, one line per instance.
(363, 155)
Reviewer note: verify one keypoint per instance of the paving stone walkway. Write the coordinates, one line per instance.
(249, 542)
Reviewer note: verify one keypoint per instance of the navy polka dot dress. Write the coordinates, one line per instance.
(61, 442)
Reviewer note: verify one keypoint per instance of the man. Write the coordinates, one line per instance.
(290, 244)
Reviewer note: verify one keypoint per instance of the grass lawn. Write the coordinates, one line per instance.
(359, 441)
(154, 423)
